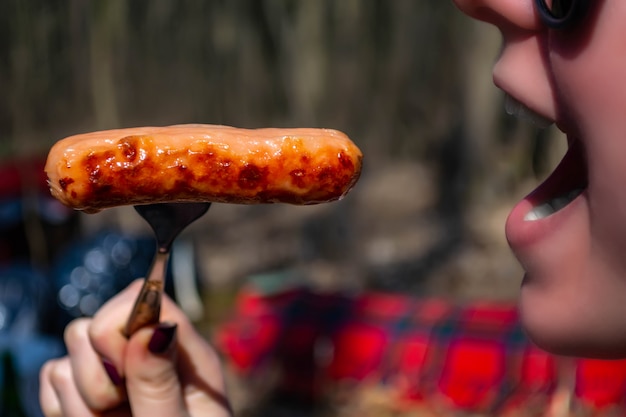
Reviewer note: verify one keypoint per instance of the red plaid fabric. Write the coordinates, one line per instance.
(472, 357)
(252, 337)
(537, 380)
(600, 384)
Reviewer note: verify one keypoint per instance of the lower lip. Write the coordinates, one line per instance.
(521, 233)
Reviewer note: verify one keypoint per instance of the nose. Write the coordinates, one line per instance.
(522, 69)
(502, 13)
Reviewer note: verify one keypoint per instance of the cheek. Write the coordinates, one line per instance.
(589, 102)
(608, 219)
(588, 69)
(593, 106)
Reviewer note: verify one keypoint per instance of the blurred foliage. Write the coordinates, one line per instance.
(393, 75)
(385, 72)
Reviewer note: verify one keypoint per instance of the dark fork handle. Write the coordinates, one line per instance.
(167, 220)
(147, 308)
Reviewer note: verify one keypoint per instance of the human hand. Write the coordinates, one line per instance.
(166, 370)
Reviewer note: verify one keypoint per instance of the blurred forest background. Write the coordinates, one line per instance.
(409, 81)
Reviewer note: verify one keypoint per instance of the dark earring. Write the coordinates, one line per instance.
(572, 14)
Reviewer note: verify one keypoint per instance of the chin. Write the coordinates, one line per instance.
(567, 330)
(580, 348)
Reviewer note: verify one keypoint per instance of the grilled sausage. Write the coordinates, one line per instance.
(142, 165)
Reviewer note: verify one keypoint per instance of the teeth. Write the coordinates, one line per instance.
(552, 206)
(517, 109)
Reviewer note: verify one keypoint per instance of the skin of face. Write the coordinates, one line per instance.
(573, 295)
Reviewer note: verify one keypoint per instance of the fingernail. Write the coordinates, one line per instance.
(114, 376)
(162, 338)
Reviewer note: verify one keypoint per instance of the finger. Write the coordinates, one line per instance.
(202, 375)
(106, 330)
(199, 365)
(50, 404)
(187, 369)
(108, 323)
(200, 368)
(152, 380)
(70, 403)
(98, 382)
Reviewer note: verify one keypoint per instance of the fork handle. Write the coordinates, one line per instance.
(147, 308)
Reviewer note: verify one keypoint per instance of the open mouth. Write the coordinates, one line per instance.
(566, 182)
(563, 186)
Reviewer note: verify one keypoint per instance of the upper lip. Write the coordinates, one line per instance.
(520, 109)
(517, 92)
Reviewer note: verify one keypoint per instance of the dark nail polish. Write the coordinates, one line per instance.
(114, 376)
(162, 338)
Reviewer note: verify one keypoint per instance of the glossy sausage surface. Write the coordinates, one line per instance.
(142, 165)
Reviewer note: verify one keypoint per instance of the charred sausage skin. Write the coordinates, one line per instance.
(98, 170)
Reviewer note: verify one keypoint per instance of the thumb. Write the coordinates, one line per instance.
(152, 382)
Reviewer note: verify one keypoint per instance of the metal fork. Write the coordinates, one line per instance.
(167, 220)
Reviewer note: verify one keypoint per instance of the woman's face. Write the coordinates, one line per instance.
(570, 233)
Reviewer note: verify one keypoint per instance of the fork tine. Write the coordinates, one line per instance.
(167, 220)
